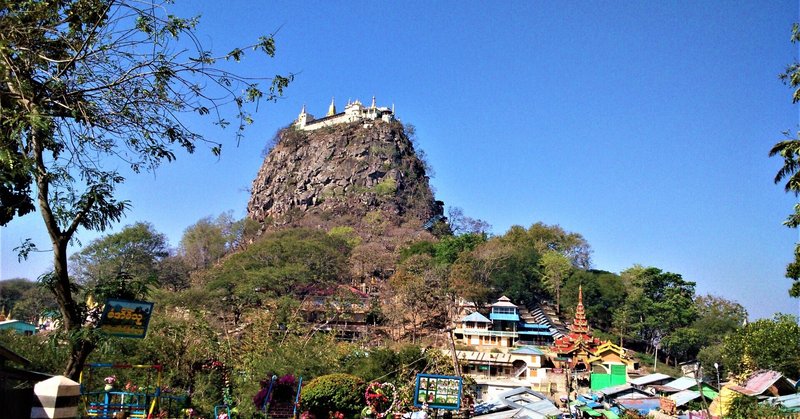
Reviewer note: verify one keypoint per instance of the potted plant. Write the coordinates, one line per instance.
(110, 380)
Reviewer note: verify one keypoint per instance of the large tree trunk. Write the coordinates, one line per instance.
(71, 318)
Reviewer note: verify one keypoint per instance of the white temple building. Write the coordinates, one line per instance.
(353, 111)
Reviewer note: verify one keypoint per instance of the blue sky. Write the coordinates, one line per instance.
(644, 126)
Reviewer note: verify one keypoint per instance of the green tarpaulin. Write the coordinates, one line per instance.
(590, 411)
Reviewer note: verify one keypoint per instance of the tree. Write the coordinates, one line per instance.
(659, 303)
(789, 150)
(555, 269)
(121, 265)
(419, 294)
(764, 344)
(283, 263)
(717, 317)
(571, 245)
(34, 303)
(204, 243)
(173, 273)
(11, 291)
(604, 295)
(462, 224)
(87, 85)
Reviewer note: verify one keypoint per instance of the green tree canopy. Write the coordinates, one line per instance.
(555, 269)
(789, 150)
(121, 265)
(764, 344)
(658, 303)
(334, 393)
(286, 262)
(88, 86)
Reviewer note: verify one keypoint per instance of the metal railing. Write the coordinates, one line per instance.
(485, 332)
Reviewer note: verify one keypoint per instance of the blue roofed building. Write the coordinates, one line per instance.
(507, 325)
(19, 326)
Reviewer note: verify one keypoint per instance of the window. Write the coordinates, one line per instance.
(504, 310)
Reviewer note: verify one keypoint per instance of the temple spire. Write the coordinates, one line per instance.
(373, 102)
(580, 325)
(332, 108)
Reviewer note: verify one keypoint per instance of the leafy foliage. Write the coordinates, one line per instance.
(89, 85)
(282, 263)
(764, 344)
(744, 407)
(209, 239)
(334, 393)
(789, 149)
(121, 265)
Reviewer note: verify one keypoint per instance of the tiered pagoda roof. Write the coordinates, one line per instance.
(578, 343)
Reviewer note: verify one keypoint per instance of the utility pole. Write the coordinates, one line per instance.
(456, 367)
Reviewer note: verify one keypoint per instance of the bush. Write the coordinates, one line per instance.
(334, 393)
(386, 188)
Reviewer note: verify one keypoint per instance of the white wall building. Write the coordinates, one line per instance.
(353, 111)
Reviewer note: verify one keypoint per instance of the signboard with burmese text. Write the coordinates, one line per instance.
(127, 319)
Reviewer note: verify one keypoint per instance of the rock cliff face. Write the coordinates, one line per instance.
(352, 174)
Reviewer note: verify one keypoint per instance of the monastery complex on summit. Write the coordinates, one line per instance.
(353, 111)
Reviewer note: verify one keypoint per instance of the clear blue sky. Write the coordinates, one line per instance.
(644, 126)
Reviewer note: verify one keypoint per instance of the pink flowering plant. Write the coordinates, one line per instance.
(111, 379)
(380, 398)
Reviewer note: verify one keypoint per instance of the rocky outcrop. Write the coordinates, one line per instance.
(341, 175)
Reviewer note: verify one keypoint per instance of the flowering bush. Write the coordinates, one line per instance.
(377, 398)
(222, 416)
(129, 386)
(284, 388)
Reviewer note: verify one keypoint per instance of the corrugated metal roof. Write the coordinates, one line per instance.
(762, 380)
(520, 402)
(536, 326)
(504, 302)
(534, 333)
(683, 397)
(589, 411)
(650, 378)
(475, 317)
(643, 406)
(790, 402)
(527, 350)
(682, 383)
(610, 391)
(609, 414)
